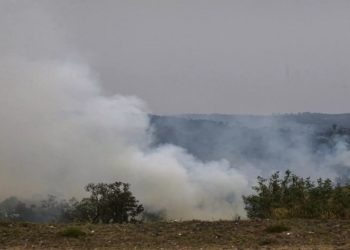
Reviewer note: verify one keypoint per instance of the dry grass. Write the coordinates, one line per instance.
(302, 234)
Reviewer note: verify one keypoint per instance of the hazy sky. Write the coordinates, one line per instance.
(196, 56)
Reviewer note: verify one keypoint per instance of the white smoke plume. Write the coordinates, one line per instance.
(58, 132)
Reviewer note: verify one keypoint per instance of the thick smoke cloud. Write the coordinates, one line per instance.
(58, 133)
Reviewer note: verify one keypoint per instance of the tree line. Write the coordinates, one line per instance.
(278, 197)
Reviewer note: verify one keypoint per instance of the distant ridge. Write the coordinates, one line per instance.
(320, 120)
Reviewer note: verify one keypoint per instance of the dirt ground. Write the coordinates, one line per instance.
(301, 234)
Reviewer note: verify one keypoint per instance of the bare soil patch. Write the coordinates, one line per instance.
(299, 234)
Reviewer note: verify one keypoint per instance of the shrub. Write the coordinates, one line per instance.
(72, 232)
(297, 197)
(148, 216)
(264, 242)
(4, 223)
(278, 228)
(108, 203)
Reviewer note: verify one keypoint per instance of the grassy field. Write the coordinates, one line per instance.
(264, 234)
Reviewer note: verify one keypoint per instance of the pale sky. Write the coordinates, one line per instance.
(196, 56)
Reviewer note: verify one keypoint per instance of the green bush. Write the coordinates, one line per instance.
(297, 197)
(108, 203)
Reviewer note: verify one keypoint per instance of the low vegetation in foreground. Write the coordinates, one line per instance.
(247, 234)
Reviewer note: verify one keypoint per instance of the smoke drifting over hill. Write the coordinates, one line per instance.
(305, 143)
